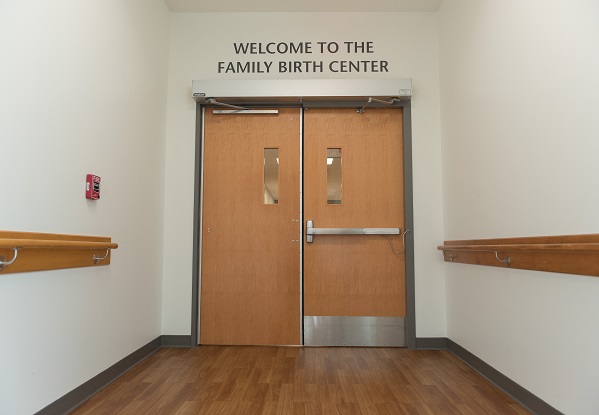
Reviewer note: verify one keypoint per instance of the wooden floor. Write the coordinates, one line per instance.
(293, 380)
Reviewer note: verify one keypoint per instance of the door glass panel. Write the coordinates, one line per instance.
(271, 176)
(334, 176)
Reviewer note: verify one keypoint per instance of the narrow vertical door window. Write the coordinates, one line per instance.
(334, 176)
(271, 176)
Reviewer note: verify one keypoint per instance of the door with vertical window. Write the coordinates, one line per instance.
(250, 285)
(354, 271)
(269, 278)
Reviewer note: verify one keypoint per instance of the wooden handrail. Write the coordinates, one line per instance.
(566, 247)
(30, 251)
(570, 254)
(54, 244)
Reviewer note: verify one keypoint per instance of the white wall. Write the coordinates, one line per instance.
(519, 105)
(198, 41)
(83, 91)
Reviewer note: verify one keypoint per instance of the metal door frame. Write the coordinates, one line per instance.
(319, 102)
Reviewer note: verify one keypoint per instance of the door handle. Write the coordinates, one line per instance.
(311, 231)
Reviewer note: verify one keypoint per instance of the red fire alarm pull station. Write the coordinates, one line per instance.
(92, 187)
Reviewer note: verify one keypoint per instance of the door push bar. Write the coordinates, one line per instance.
(311, 231)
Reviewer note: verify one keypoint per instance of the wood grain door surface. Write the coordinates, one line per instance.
(250, 286)
(250, 269)
(354, 275)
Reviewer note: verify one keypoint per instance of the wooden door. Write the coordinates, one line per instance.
(250, 285)
(347, 276)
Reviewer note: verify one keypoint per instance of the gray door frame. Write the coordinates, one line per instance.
(408, 200)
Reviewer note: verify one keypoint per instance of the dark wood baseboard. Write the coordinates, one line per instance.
(524, 397)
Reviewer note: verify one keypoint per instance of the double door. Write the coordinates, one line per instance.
(302, 223)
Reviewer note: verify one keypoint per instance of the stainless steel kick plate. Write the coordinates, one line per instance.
(354, 331)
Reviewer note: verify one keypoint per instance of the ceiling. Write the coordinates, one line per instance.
(303, 6)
